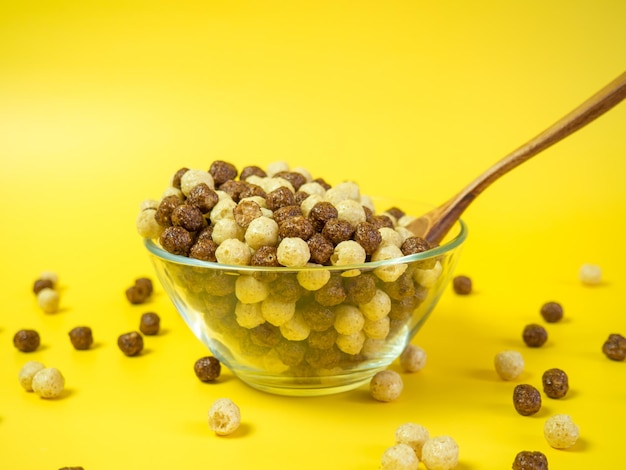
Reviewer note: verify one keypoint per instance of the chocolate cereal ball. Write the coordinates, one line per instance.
(207, 368)
(552, 312)
(526, 399)
(26, 340)
(534, 335)
(81, 337)
(462, 285)
(615, 347)
(150, 323)
(131, 344)
(555, 383)
(530, 460)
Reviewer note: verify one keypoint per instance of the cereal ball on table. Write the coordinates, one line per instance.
(509, 365)
(555, 383)
(26, 340)
(530, 460)
(48, 300)
(207, 368)
(590, 274)
(440, 453)
(526, 399)
(48, 383)
(413, 435)
(399, 457)
(27, 372)
(224, 417)
(552, 312)
(386, 386)
(81, 337)
(131, 344)
(462, 285)
(560, 431)
(150, 323)
(534, 335)
(413, 358)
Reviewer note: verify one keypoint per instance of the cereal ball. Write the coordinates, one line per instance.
(462, 285)
(50, 276)
(233, 252)
(534, 335)
(131, 344)
(48, 383)
(245, 212)
(248, 315)
(321, 213)
(351, 211)
(296, 226)
(348, 252)
(40, 284)
(386, 385)
(277, 311)
(176, 240)
(360, 289)
(188, 217)
(150, 323)
(337, 231)
(280, 197)
(440, 453)
(296, 328)
(296, 179)
(202, 197)
(615, 347)
(27, 372)
(509, 364)
(192, 178)
(378, 307)
(390, 236)
(204, 249)
(552, 312)
(139, 292)
(224, 417)
(413, 435)
(332, 293)
(321, 249)
(368, 236)
(526, 399)
(81, 337)
(348, 319)
(251, 170)
(175, 180)
(413, 245)
(560, 431)
(555, 383)
(26, 340)
(413, 358)
(530, 460)
(265, 256)
(377, 329)
(207, 368)
(163, 214)
(313, 279)
(146, 224)
(261, 231)
(309, 203)
(48, 300)
(428, 277)
(352, 343)
(293, 252)
(342, 191)
(390, 272)
(224, 229)
(590, 274)
(222, 171)
(399, 457)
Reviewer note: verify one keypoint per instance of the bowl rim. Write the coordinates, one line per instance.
(456, 241)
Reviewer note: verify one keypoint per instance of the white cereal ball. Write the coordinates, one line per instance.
(277, 167)
(50, 276)
(590, 274)
(295, 329)
(352, 343)
(351, 211)
(391, 272)
(377, 329)
(342, 191)
(293, 252)
(262, 231)
(223, 229)
(148, 204)
(309, 203)
(440, 453)
(348, 252)
(277, 311)
(509, 364)
(313, 188)
(413, 358)
(261, 201)
(560, 431)
(366, 201)
(48, 300)
(386, 385)
(390, 236)
(172, 191)
(191, 178)
(348, 319)
(48, 383)
(146, 224)
(373, 347)
(249, 290)
(224, 417)
(304, 172)
(233, 252)
(275, 182)
(399, 457)
(414, 435)
(27, 372)
(223, 209)
(378, 307)
(313, 279)
(404, 233)
(428, 277)
(248, 315)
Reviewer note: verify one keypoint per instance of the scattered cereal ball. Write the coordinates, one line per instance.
(81, 337)
(72, 468)
(26, 340)
(590, 274)
(552, 312)
(462, 285)
(140, 292)
(399, 457)
(50, 276)
(509, 365)
(615, 347)
(534, 335)
(440, 453)
(48, 383)
(150, 323)
(560, 431)
(555, 383)
(386, 385)
(413, 435)
(131, 344)
(40, 284)
(413, 358)
(27, 372)
(207, 368)
(224, 417)
(526, 399)
(48, 300)
(530, 460)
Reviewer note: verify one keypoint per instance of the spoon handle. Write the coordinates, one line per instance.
(592, 108)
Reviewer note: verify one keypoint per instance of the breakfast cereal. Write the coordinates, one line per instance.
(48, 383)
(440, 453)
(399, 457)
(386, 385)
(509, 365)
(81, 337)
(224, 417)
(26, 340)
(526, 399)
(560, 431)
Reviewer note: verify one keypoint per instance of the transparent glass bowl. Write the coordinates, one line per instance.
(306, 355)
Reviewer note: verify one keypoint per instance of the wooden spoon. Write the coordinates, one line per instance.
(434, 225)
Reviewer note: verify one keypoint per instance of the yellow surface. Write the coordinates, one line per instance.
(100, 102)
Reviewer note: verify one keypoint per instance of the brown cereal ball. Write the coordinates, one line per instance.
(291, 353)
(150, 324)
(413, 358)
(526, 399)
(324, 339)
(555, 383)
(323, 358)
(462, 285)
(163, 214)
(320, 248)
(615, 347)
(176, 240)
(202, 197)
(252, 171)
(509, 365)
(560, 431)
(337, 231)
(140, 291)
(318, 317)
(27, 372)
(26, 340)
(296, 179)
(177, 176)
(131, 344)
(287, 288)
(234, 189)
(368, 236)
(380, 221)
(297, 226)
(222, 171)
(395, 212)
(413, 245)
(283, 213)
(204, 249)
(321, 213)
(399, 457)
(224, 417)
(360, 289)
(42, 284)
(440, 453)
(188, 217)
(81, 337)
(207, 368)
(245, 212)
(530, 460)
(332, 293)
(265, 256)
(145, 284)
(534, 335)
(48, 383)
(386, 385)
(552, 312)
(280, 197)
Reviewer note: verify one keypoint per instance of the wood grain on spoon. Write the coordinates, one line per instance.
(435, 224)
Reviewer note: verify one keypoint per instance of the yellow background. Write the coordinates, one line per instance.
(100, 102)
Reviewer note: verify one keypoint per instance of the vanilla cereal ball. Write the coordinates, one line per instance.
(234, 252)
(313, 279)
(50, 276)
(348, 252)
(224, 417)
(348, 319)
(352, 343)
(262, 231)
(378, 307)
(309, 203)
(223, 209)
(48, 300)
(390, 272)
(399, 457)
(27, 372)
(293, 252)
(428, 277)
(509, 364)
(440, 453)
(193, 177)
(386, 385)
(560, 431)
(223, 229)
(413, 435)
(172, 191)
(351, 211)
(413, 358)
(146, 224)
(249, 315)
(377, 329)
(295, 329)
(590, 274)
(390, 237)
(313, 187)
(48, 383)
(277, 311)
(275, 182)
(342, 191)
(277, 167)
(249, 290)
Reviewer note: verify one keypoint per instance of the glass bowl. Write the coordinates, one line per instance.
(279, 332)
